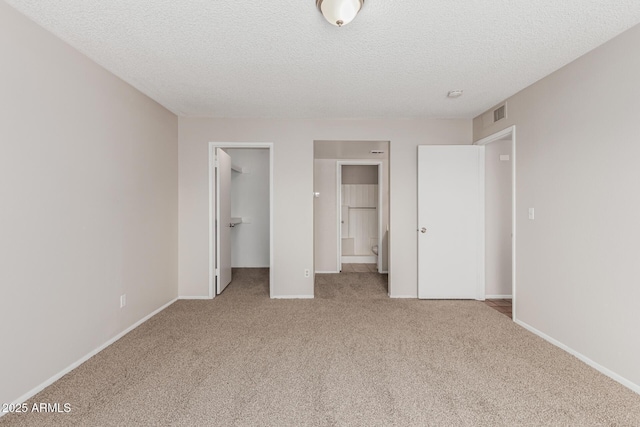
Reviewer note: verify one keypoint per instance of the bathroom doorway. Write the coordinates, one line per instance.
(359, 215)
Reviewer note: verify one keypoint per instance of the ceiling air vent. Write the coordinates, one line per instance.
(494, 115)
(500, 113)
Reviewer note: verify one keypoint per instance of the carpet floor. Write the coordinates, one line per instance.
(349, 357)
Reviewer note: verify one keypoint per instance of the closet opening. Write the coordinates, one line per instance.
(240, 214)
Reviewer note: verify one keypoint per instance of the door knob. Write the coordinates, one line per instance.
(423, 230)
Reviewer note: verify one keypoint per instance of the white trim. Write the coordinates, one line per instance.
(497, 297)
(271, 235)
(84, 358)
(511, 130)
(212, 273)
(212, 147)
(513, 221)
(388, 226)
(616, 377)
(404, 296)
(292, 296)
(218, 265)
(194, 297)
(496, 136)
(326, 272)
(339, 213)
(380, 222)
(481, 260)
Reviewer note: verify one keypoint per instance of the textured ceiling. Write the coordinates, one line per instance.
(281, 59)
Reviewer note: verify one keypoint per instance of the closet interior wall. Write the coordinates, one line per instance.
(250, 201)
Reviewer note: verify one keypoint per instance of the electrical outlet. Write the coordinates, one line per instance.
(123, 300)
(307, 273)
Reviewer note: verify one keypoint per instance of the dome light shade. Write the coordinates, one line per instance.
(339, 12)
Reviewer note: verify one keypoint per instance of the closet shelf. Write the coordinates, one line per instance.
(240, 220)
(239, 169)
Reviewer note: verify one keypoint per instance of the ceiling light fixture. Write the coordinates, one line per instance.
(339, 12)
(454, 94)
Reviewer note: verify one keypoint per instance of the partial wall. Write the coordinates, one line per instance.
(88, 178)
(577, 155)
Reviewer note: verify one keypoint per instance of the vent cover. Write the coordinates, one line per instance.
(500, 113)
(494, 115)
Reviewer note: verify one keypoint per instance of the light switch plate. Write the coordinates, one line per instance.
(532, 213)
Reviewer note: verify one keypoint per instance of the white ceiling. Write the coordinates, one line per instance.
(281, 59)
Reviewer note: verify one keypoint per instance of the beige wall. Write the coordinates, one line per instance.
(88, 196)
(325, 216)
(577, 153)
(359, 174)
(498, 219)
(293, 191)
(250, 200)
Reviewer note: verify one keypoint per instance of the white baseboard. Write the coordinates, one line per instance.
(498, 297)
(608, 372)
(86, 357)
(292, 297)
(356, 259)
(403, 296)
(337, 272)
(194, 297)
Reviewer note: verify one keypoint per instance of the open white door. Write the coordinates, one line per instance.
(223, 220)
(450, 222)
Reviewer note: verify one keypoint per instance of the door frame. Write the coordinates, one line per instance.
(212, 212)
(339, 165)
(509, 131)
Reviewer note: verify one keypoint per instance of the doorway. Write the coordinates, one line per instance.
(240, 210)
(500, 225)
(368, 188)
(360, 231)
